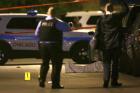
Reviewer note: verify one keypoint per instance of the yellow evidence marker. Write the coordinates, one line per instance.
(27, 76)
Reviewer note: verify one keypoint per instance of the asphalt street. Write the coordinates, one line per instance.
(12, 80)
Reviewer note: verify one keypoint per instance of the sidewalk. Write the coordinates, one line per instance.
(12, 81)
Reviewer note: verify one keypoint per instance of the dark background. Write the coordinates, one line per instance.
(62, 7)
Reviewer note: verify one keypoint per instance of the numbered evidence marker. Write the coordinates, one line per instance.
(27, 76)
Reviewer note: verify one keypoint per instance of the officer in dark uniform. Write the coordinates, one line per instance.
(109, 39)
(50, 33)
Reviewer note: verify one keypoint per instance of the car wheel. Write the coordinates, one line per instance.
(79, 53)
(3, 56)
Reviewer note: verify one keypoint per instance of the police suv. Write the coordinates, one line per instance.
(17, 39)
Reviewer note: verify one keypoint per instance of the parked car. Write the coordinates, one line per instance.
(82, 21)
(17, 39)
(130, 60)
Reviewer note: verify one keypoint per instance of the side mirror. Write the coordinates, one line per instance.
(71, 24)
(91, 33)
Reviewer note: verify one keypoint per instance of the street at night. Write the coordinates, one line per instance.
(98, 40)
(12, 78)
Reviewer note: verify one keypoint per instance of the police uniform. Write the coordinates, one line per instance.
(50, 46)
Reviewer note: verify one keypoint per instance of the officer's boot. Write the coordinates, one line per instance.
(106, 84)
(115, 76)
(56, 77)
(115, 83)
(43, 74)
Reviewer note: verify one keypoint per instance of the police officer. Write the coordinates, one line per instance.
(109, 37)
(50, 33)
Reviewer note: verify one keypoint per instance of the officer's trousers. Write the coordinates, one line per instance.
(51, 52)
(111, 59)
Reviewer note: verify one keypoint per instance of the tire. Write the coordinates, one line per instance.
(3, 56)
(79, 53)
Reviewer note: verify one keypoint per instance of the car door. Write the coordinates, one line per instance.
(21, 29)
